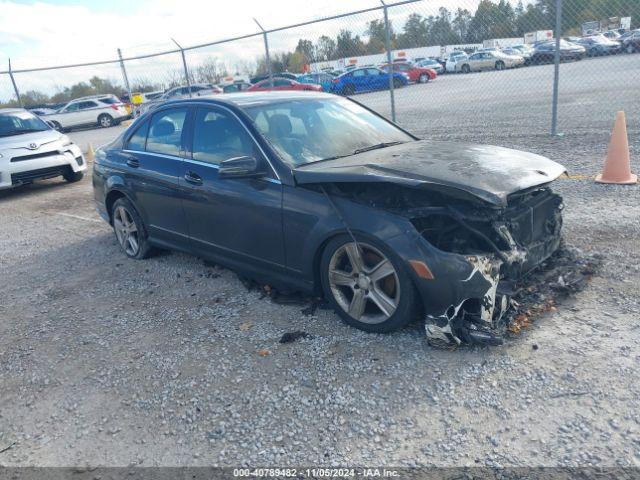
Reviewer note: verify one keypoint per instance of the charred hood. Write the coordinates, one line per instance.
(484, 171)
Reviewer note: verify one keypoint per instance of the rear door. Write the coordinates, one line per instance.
(239, 219)
(360, 81)
(70, 116)
(153, 156)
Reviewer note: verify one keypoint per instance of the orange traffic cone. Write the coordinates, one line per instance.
(617, 167)
(91, 154)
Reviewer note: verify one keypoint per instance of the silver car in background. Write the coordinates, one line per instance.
(30, 149)
(491, 60)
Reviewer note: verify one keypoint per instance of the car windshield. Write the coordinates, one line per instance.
(305, 131)
(17, 123)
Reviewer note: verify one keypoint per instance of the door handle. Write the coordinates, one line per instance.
(133, 162)
(193, 178)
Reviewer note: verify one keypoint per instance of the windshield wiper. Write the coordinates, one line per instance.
(375, 147)
(359, 150)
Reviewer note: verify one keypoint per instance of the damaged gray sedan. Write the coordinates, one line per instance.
(318, 193)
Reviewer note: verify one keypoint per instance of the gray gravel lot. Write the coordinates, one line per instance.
(109, 361)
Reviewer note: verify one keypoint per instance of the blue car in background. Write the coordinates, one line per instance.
(322, 79)
(365, 80)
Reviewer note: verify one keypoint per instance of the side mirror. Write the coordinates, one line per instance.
(51, 124)
(241, 167)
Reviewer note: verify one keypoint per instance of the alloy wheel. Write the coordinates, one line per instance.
(126, 231)
(364, 282)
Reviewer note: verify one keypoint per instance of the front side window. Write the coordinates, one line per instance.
(281, 83)
(304, 131)
(165, 132)
(219, 136)
(373, 71)
(359, 73)
(72, 108)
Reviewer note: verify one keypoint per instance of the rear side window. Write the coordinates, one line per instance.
(109, 100)
(139, 138)
(86, 105)
(165, 132)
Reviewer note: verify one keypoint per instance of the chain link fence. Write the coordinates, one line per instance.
(491, 69)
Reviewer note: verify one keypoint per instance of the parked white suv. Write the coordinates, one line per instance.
(103, 110)
(31, 150)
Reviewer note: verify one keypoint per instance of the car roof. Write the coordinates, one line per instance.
(251, 99)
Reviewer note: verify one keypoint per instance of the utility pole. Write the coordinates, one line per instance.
(184, 65)
(556, 70)
(266, 52)
(387, 42)
(15, 87)
(126, 79)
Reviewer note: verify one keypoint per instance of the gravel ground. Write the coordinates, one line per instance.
(109, 361)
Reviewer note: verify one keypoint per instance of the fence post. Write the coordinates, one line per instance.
(184, 65)
(126, 79)
(556, 70)
(15, 87)
(266, 53)
(387, 46)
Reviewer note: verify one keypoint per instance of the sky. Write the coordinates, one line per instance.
(37, 33)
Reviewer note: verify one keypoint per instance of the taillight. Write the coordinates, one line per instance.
(115, 107)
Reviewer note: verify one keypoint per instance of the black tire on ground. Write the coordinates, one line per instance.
(466, 68)
(348, 90)
(499, 65)
(397, 83)
(408, 301)
(630, 48)
(144, 248)
(72, 176)
(423, 78)
(105, 120)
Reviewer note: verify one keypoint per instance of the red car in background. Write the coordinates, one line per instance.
(414, 73)
(282, 84)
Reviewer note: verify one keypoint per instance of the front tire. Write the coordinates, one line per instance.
(105, 120)
(499, 65)
(368, 286)
(397, 83)
(466, 68)
(130, 230)
(73, 177)
(630, 48)
(423, 78)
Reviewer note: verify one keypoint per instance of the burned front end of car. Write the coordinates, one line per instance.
(468, 256)
(494, 248)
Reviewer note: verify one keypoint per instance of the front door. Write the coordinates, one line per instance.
(238, 219)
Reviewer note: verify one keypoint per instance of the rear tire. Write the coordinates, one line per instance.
(347, 292)
(73, 177)
(130, 231)
(105, 120)
(630, 48)
(397, 83)
(466, 68)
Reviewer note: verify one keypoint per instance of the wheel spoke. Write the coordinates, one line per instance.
(381, 270)
(340, 278)
(384, 303)
(355, 259)
(358, 302)
(133, 242)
